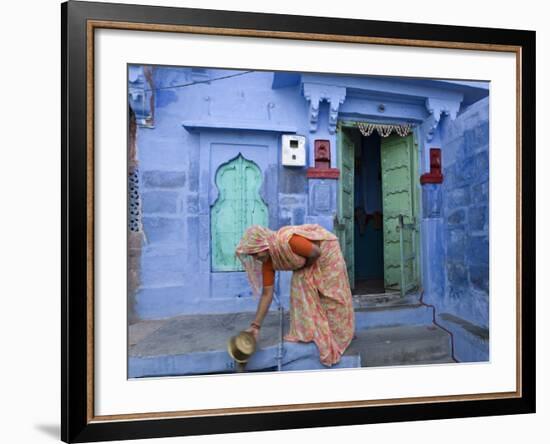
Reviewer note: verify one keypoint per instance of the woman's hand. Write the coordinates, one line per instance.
(309, 261)
(255, 332)
(313, 256)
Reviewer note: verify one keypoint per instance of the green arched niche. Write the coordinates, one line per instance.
(238, 206)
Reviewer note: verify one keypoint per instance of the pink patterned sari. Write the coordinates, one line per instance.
(321, 308)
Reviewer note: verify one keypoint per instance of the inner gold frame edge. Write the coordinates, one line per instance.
(96, 24)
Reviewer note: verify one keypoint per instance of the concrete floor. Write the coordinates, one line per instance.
(198, 333)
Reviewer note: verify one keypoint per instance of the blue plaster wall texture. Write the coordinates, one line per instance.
(465, 214)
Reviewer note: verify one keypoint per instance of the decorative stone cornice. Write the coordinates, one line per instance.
(315, 93)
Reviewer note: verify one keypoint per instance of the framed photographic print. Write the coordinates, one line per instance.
(277, 221)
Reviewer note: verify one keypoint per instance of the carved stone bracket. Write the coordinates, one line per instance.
(438, 108)
(429, 126)
(315, 93)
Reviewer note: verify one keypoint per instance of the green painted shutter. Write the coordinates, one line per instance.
(344, 228)
(397, 199)
(238, 206)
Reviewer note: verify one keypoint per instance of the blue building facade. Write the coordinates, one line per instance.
(191, 124)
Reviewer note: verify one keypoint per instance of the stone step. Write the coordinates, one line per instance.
(401, 345)
(390, 309)
(208, 332)
(381, 299)
(390, 317)
(180, 348)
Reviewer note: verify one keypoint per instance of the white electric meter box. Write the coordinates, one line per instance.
(294, 150)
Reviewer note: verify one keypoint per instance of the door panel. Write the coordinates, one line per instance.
(344, 228)
(397, 199)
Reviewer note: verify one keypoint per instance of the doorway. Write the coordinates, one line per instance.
(377, 210)
(368, 234)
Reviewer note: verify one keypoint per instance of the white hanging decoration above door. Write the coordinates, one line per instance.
(384, 130)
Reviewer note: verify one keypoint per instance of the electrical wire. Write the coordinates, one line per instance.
(183, 85)
(439, 325)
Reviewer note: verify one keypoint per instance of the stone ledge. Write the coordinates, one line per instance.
(295, 357)
(320, 173)
(197, 125)
(476, 330)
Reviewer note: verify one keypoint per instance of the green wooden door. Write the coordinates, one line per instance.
(343, 226)
(398, 198)
(238, 206)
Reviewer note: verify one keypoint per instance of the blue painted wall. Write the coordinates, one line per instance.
(456, 231)
(465, 212)
(187, 132)
(178, 163)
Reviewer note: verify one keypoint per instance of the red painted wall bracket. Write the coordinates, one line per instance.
(435, 175)
(322, 169)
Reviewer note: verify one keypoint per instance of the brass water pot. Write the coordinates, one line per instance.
(241, 346)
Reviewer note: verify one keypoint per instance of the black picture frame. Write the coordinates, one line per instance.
(78, 423)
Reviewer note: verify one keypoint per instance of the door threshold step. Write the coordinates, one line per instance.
(385, 301)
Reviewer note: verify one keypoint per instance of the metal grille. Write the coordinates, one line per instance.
(134, 204)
